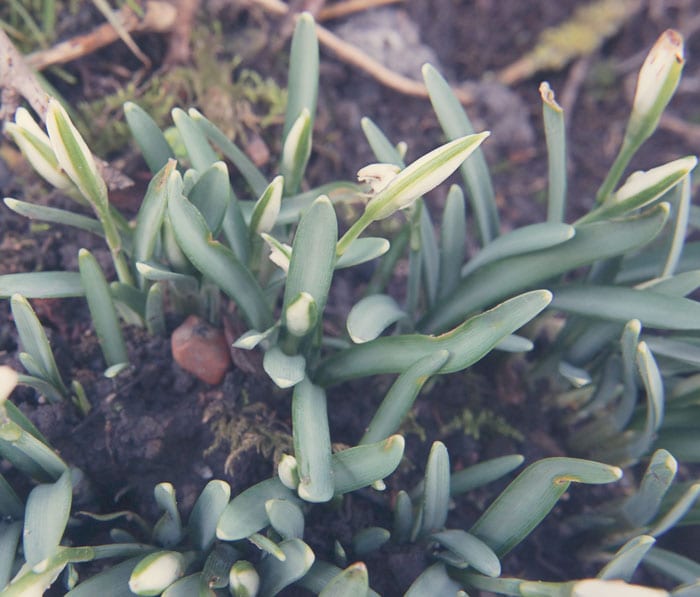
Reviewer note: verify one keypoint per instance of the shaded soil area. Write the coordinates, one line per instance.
(158, 423)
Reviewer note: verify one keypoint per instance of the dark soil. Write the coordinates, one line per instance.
(155, 422)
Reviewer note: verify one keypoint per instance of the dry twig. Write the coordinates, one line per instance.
(348, 7)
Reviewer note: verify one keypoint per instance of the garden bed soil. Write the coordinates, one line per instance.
(156, 422)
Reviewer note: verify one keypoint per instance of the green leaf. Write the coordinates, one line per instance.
(626, 559)
(362, 250)
(673, 565)
(9, 539)
(45, 519)
(201, 155)
(677, 512)
(401, 396)
(312, 442)
(34, 341)
(154, 314)
(639, 508)
(286, 371)
(681, 214)
(453, 241)
(150, 217)
(515, 274)
(11, 507)
(55, 216)
(154, 147)
(276, 574)
(351, 582)
(555, 132)
(382, 148)
(255, 179)
(466, 344)
(217, 262)
(302, 83)
(371, 316)
(113, 582)
(246, 513)
(530, 497)
(434, 580)
(286, 518)
(483, 473)
(101, 306)
(361, 466)
(430, 255)
(267, 207)
(470, 551)
(436, 490)
(211, 195)
(455, 123)
(167, 531)
(528, 239)
(189, 586)
(313, 254)
(42, 285)
(201, 526)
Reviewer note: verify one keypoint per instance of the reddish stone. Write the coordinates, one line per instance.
(201, 349)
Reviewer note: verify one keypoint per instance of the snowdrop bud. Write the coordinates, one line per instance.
(422, 176)
(657, 81)
(378, 176)
(280, 253)
(243, 579)
(288, 472)
(662, 176)
(74, 156)
(34, 144)
(267, 208)
(301, 315)
(156, 572)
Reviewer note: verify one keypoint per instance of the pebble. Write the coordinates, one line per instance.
(201, 349)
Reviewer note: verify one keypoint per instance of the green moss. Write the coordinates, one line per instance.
(477, 424)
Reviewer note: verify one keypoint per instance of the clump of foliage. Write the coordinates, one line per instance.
(275, 256)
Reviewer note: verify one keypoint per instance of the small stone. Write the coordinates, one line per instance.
(201, 349)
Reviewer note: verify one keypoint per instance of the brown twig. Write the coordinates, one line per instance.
(158, 16)
(348, 7)
(354, 56)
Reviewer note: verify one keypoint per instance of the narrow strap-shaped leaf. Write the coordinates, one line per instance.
(45, 519)
(286, 518)
(276, 574)
(530, 497)
(43, 387)
(436, 490)
(527, 239)
(430, 255)
(201, 155)
(255, 179)
(453, 241)
(211, 195)
(201, 526)
(371, 316)
(129, 301)
(54, 215)
(626, 559)
(351, 582)
(466, 343)
(455, 123)
(361, 466)
(401, 396)
(403, 518)
(483, 473)
(217, 262)
(653, 309)
(34, 341)
(555, 133)
(302, 80)
(153, 144)
(312, 442)
(680, 226)
(102, 311)
(363, 250)
(264, 543)
(368, 540)
(313, 254)
(27, 453)
(382, 148)
(246, 514)
(674, 565)
(10, 504)
(470, 551)
(42, 285)
(320, 574)
(168, 530)
(189, 585)
(514, 274)
(9, 539)
(677, 512)
(154, 314)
